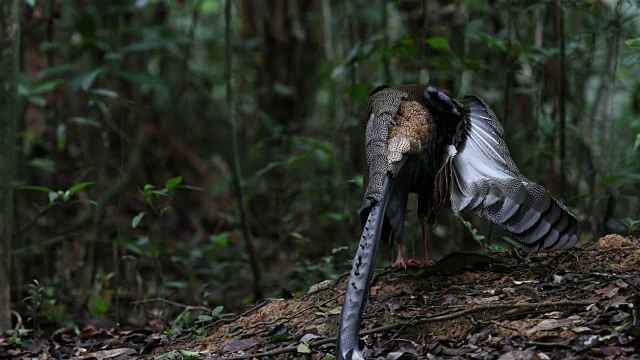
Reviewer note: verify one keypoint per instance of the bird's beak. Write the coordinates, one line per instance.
(359, 282)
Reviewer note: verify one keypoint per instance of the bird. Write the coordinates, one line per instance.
(420, 139)
(399, 123)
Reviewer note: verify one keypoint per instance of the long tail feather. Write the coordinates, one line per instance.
(359, 282)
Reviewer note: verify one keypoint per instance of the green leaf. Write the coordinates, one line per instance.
(85, 121)
(85, 80)
(606, 180)
(136, 220)
(439, 43)
(153, 44)
(100, 304)
(61, 136)
(53, 196)
(190, 187)
(55, 70)
(14, 340)
(192, 353)
(174, 284)
(204, 318)
(105, 92)
(358, 180)
(304, 348)
(47, 165)
(633, 43)
(221, 185)
(284, 90)
(217, 311)
(338, 249)
(335, 311)
(77, 187)
(148, 187)
(221, 239)
(173, 354)
(99, 307)
(46, 86)
(35, 188)
(353, 54)
(37, 100)
(173, 183)
(631, 59)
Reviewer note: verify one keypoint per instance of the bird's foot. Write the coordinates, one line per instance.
(415, 263)
(426, 262)
(401, 262)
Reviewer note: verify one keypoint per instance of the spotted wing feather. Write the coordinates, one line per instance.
(485, 179)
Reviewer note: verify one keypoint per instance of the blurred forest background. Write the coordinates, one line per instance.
(128, 138)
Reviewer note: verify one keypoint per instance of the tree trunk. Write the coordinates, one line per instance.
(9, 35)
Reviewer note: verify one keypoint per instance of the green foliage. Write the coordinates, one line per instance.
(134, 93)
(481, 239)
(181, 354)
(14, 337)
(154, 197)
(327, 265)
(35, 297)
(631, 225)
(61, 196)
(99, 307)
(472, 230)
(634, 57)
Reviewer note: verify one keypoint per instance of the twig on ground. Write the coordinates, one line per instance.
(417, 321)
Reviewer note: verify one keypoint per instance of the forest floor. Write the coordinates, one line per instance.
(573, 304)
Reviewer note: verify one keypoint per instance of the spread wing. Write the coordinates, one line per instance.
(485, 179)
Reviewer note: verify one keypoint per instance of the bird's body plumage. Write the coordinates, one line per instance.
(420, 140)
(400, 131)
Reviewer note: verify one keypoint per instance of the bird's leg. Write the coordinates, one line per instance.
(400, 261)
(399, 258)
(425, 256)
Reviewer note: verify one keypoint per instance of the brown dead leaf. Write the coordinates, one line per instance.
(622, 284)
(606, 290)
(485, 300)
(108, 354)
(240, 345)
(580, 329)
(553, 315)
(552, 324)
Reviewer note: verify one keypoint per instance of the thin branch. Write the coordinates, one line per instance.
(417, 321)
(385, 57)
(237, 172)
(563, 97)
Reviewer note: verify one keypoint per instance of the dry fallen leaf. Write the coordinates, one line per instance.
(108, 354)
(580, 329)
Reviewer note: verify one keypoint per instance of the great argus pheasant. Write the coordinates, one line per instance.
(421, 140)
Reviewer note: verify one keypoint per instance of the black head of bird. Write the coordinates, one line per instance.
(419, 139)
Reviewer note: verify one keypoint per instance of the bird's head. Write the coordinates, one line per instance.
(440, 103)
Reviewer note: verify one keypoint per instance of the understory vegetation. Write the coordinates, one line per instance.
(176, 163)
